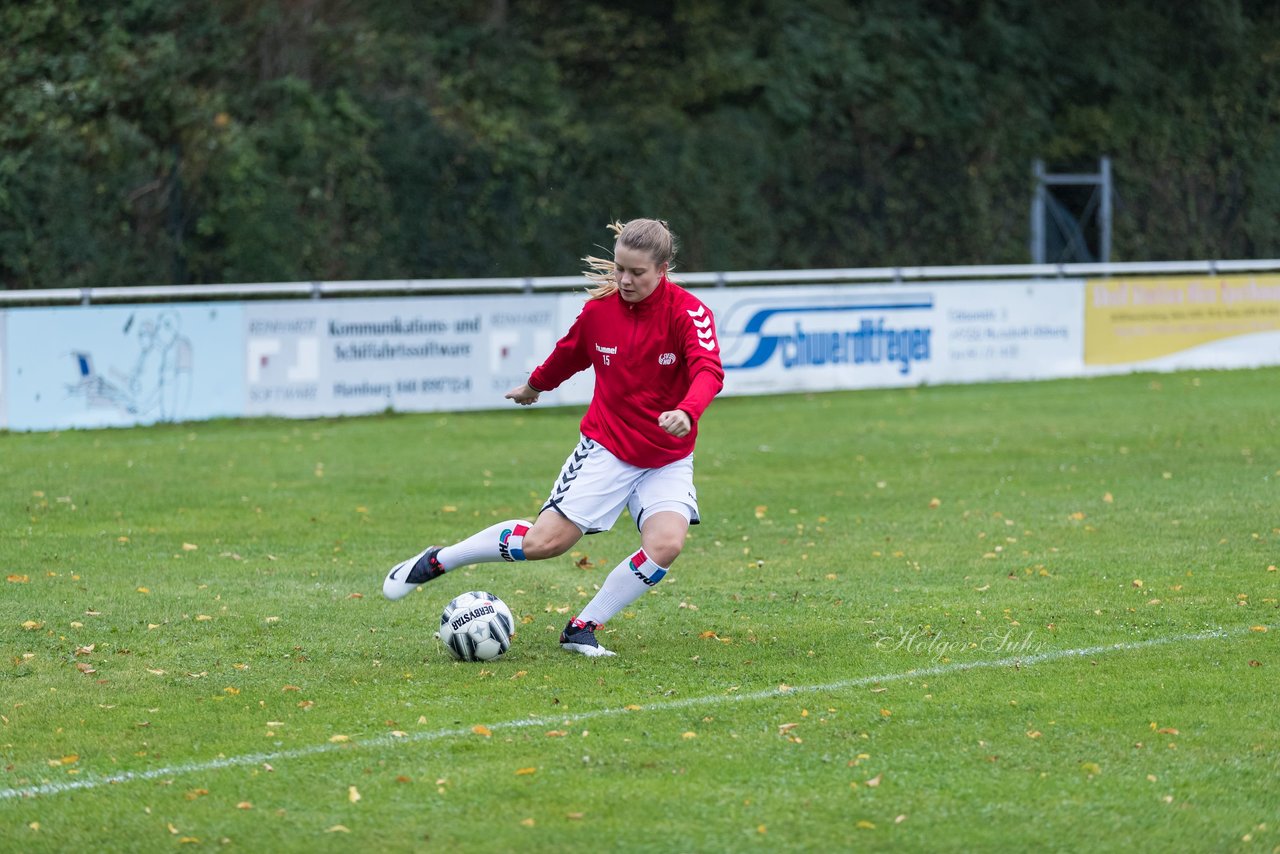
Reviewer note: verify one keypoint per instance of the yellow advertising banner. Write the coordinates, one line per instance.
(1134, 320)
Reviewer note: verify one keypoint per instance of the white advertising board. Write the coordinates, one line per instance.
(349, 357)
(116, 366)
(120, 365)
(816, 338)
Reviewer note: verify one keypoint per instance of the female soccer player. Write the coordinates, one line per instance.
(657, 367)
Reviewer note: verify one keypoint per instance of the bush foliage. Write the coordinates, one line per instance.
(175, 141)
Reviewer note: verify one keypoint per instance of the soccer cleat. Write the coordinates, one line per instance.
(406, 576)
(581, 637)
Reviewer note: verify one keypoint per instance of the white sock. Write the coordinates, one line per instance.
(628, 581)
(503, 541)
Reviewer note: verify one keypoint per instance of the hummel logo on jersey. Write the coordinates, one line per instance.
(667, 359)
(612, 351)
(706, 338)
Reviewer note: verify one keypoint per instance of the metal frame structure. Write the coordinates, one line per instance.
(1044, 205)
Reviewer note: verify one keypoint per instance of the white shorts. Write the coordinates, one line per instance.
(594, 486)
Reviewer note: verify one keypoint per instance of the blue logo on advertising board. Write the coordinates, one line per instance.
(835, 334)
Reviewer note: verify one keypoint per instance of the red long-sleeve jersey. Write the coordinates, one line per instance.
(650, 357)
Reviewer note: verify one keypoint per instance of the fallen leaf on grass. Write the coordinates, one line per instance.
(339, 739)
(1257, 628)
(865, 825)
(85, 650)
(31, 625)
(353, 794)
(338, 828)
(556, 733)
(244, 805)
(189, 547)
(524, 772)
(17, 579)
(85, 668)
(875, 781)
(481, 729)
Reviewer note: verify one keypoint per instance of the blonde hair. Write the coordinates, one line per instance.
(651, 236)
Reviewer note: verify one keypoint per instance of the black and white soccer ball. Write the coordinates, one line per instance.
(476, 626)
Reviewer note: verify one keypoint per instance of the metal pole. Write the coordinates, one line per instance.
(1104, 215)
(1037, 213)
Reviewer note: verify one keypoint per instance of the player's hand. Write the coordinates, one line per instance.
(676, 422)
(523, 394)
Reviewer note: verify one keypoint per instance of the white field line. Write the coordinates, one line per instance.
(387, 740)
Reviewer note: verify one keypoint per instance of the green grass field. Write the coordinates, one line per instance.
(992, 617)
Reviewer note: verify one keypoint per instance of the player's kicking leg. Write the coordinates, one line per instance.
(513, 540)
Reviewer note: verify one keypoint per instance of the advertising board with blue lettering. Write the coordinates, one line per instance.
(120, 365)
(814, 338)
(115, 366)
(415, 354)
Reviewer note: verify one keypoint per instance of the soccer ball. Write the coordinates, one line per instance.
(476, 626)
